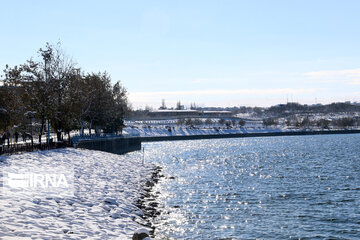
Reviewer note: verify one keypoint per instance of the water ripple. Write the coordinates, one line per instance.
(304, 187)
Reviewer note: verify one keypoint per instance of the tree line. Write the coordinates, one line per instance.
(52, 90)
(305, 122)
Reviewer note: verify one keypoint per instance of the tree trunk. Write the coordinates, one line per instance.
(90, 128)
(82, 128)
(58, 135)
(41, 130)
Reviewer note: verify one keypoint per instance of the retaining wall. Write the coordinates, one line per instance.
(242, 135)
(117, 145)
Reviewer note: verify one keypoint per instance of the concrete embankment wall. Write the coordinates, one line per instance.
(121, 145)
(242, 135)
(117, 145)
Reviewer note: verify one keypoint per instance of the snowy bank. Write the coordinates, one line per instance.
(107, 187)
(167, 133)
(180, 131)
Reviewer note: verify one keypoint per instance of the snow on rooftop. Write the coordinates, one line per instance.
(173, 110)
(216, 111)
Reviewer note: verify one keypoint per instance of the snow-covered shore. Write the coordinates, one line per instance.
(180, 131)
(107, 187)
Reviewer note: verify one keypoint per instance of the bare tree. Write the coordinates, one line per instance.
(178, 105)
(163, 105)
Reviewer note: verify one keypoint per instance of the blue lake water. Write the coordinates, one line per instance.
(298, 187)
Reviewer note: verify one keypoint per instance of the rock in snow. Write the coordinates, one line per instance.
(141, 234)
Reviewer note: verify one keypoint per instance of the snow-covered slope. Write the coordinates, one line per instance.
(179, 131)
(106, 188)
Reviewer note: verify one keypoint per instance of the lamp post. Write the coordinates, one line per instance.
(47, 54)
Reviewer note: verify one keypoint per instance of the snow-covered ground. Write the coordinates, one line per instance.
(181, 131)
(102, 207)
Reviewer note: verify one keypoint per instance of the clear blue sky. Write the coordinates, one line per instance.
(214, 53)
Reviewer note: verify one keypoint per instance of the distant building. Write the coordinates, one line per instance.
(170, 113)
(173, 113)
(215, 114)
